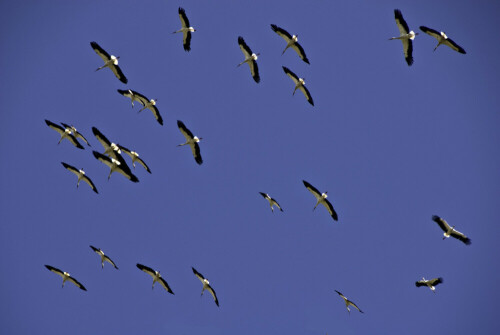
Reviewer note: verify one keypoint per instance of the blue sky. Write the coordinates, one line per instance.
(393, 145)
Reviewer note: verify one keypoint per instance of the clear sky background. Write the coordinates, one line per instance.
(393, 145)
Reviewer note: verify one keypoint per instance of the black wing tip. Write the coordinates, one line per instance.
(134, 178)
(274, 27)
(50, 267)
(94, 248)
(180, 124)
(181, 10)
(241, 40)
(436, 218)
(467, 241)
(439, 280)
(306, 60)
(199, 160)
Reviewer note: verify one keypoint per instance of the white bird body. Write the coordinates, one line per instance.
(348, 302)
(65, 277)
(104, 258)
(299, 84)
(442, 39)
(250, 59)
(186, 30)
(81, 176)
(272, 202)
(321, 198)
(206, 285)
(192, 141)
(291, 41)
(450, 230)
(405, 36)
(430, 283)
(109, 61)
(156, 277)
(65, 133)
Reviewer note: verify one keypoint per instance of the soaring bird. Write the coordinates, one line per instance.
(291, 41)
(250, 59)
(135, 157)
(321, 199)
(442, 39)
(75, 132)
(299, 84)
(66, 276)
(116, 165)
(206, 285)
(65, 134)
(81, 176)
(104, 258)
(272, 202)
(405, 35)
(450, 231)
(109, 61)
(191, 140)
(186, 29)
(348, 302)
(431, 283)
(156, 277)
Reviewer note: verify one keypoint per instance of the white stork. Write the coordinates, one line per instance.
(151, 105)
(116, 165)
(272, 202)
(291, 41)
(450, 231)
(405, 35)
(348, 302)
(442, 39)
(186, 29)
(111, 149)
(81, 176)
(65, 133)
(192, 141)
(431, 283)
(104, 258)
(156, 277)
(206, 285)
(66, 276)
(109, 61)
(321, 199)
(75, 132)
(135, 157)
(299, 84)
(133, 95)
(250, 59)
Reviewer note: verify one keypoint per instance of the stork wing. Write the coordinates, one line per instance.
(436, 281)
(147, 269)
(198, 275)
(434, 33)
(55, 270)
(449, 42)
(71, 168)
(91, 184)
(292, 75)
(76, 132)
(330, 209)
(141, 98)
(300, 51)
(254, 70)
(276, 203)
(408, 50)
(184, 130)
(118, 73)
(184, 18)
(282, 32)
(107, 259)
(244, 47)
(156, 113)
(186, 40)
(421, 283)
(460, 236)
(100, 51)
(55, 127)
(195, 149)
(306, 93)
(121, 168)
(266, 196)
(211, 290)
(441, 222)
(316, 194)
(77, 283)
(164, 283)
(101, 138)
(401, 23)
(354, 305)
(96, 250)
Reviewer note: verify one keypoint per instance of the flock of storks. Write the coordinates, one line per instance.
(112, 151)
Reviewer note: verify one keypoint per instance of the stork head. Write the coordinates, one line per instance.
(192, 29)
(197, 139)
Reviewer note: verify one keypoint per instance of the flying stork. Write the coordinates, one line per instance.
(321, 199)
(65, 133)
(206, 285)
(192, 141)
(250, 59)
(299, 84)
(272, 202)
(186, 30)
(103, 257)
(431, 283)
(156, 277)
(145, 102)
(442, 39)
(405, 35)
(75, 132)
(109, 61)
(111, 149)
(133, 95)
(450, 231)
(116, 165)
(135, 157)
(348, 302)
(291, 41)
(81, 176)
(66, 276)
